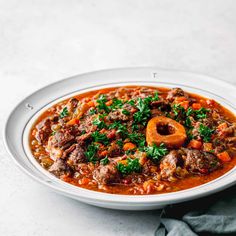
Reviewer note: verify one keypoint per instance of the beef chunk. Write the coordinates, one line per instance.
(175, 92)
(107, 174)
(62, 139)
(59, 167)
(43, 131)
(200, 162)
(114, 150)
(72, 104)
(118, 115)
(178, 163)
(76, 155)
(171, 165)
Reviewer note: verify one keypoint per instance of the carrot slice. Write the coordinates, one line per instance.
(196, 106)
(184, 104)
(195, 144)
(222, 126)
(74, 121)
(108, 103)
(129, 146)
(91, 104)
(224, 156)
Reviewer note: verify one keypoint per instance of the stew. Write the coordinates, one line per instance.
(136, 140)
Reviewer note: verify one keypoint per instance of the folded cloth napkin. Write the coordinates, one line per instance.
(212, 215)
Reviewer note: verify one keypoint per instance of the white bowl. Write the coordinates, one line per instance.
(21, 118)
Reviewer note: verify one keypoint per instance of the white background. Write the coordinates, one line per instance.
(42, 41)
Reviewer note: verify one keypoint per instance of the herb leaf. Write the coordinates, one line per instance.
(64, 113)
(201, 113)
(99, 122)
(92, 152)
(102, 103)
(104, 161)
(144, 112)
(132, 165)
(100, 138)
(205, 132)
(156, 152)
(137, 138)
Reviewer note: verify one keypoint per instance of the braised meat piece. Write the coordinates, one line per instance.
(107, 174)
(117, 115)
(200, 162)
(76, 155)
(176, 92)
(59, 167)
(43, 131)
(72, 104)
(62, 139)
(179, 162)
(171, 165)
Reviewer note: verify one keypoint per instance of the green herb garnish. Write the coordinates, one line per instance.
(102, 103)
(92, 111)
(104, 161)
(125, 112)
(156, 152)
(201, 113)
(205, 132)
(137, 138)
(143, 113)
(92, 152)
(100, 138)
(99, 122)
(119, 126)
(132, 165)
(64, 113)
(116, 104)
(120, 143)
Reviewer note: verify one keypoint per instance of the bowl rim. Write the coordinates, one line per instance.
(74, 191)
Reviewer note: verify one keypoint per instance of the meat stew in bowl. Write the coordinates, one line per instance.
(136, 140)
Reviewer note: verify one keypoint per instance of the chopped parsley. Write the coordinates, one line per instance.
(188, 122)
(102, 103)
(156, 152)
(53, 132)
(116, 104)
(132, 165)
(137, 138)
(178, 111)
(104, 161)
(99, 122)
(125, 112)
(201, 113)
(100, 138)
(144, 112)
(64, 113)
(92, 111)
(92, 152)
(120, 143)
(131, 102)
(120, 128)
(205, 132)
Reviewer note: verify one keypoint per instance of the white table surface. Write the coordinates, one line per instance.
(43, 41)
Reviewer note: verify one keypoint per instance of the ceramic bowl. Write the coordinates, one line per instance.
(22, 117)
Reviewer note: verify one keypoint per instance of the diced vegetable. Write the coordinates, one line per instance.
(74, 121)
(207, 147)
(195, 144)
(222, 126)
(196, 106)
(224, 156)
(129, 146)
(91, 104)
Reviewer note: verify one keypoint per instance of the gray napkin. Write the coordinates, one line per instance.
(213, 215)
